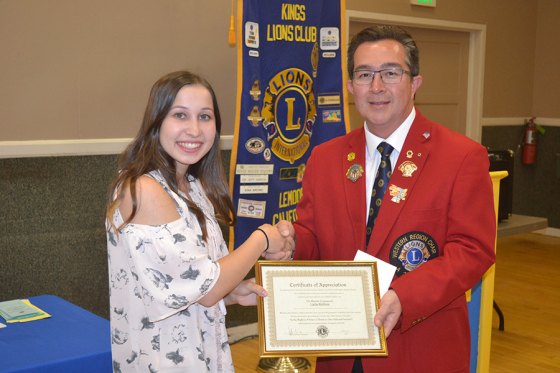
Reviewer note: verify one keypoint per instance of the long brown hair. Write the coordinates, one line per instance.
(145, 154)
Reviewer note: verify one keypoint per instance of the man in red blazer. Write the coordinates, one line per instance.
(436, 222)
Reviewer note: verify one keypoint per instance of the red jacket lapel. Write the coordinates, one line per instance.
(355, 191)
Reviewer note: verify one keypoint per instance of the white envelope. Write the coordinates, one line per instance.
(385, 271)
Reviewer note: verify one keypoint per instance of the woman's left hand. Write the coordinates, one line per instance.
(245, 293)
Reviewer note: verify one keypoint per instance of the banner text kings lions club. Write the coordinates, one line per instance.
(291, 92)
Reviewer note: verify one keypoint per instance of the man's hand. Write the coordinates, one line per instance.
(389, 313)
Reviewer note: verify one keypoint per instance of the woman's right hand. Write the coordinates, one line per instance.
(281, 240)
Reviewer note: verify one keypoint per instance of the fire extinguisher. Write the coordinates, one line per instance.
(530, 142)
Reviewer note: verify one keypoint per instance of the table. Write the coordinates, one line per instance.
(71, 340)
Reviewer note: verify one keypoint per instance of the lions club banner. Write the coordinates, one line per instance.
(289, 99)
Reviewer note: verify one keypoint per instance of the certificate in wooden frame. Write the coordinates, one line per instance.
(319, 308)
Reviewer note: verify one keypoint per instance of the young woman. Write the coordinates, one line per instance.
(170, 274)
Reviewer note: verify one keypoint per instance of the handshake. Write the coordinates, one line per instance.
(277, 242)
(280, 240)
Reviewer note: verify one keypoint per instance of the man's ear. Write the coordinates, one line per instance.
(416, 84)
(350, 86)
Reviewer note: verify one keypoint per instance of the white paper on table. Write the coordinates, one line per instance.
(385, 271)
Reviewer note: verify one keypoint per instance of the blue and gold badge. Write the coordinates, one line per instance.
(411, 250)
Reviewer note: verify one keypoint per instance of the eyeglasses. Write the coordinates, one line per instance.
(388, 76)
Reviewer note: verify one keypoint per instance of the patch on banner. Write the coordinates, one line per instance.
(411, 250)
(253, 189)
(329, 38)
(329, 99)
(288, 173)
(251, 209)
(301, 171)
(255, 91)
(289, 113)
(255, 145)
(255, 116)
(332, 116)
(252, 35)
(255, 179)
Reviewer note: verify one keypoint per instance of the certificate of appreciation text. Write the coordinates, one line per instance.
(319, 308)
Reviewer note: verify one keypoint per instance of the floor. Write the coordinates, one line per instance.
(527, 290)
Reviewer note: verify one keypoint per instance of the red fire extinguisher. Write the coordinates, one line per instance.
(530, 142)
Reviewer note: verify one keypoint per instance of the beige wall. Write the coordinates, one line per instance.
(81, 69)
(546, 92)
(510, 45)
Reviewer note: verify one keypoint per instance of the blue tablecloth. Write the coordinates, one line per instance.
(71, 340)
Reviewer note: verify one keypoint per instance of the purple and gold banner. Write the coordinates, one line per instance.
(290, 97)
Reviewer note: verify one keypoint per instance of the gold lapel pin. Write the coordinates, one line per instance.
(407, 168)
(354, 172)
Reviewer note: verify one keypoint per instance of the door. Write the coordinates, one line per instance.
(444, 58)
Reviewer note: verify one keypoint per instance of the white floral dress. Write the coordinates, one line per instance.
(156, 276)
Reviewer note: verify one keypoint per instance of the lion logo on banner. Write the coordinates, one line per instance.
(289, 113)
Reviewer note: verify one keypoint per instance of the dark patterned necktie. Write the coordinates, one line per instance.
(379, 186)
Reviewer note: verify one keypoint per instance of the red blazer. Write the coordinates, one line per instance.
(438, 227)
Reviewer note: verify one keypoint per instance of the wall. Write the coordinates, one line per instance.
(509, 65)
(546, 90)
(77, 69)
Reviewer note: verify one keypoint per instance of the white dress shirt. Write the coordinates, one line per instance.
(373, 157)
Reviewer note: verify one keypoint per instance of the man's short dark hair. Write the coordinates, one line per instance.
(383, 32)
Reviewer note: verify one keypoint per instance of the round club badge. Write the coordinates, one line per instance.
(411, 250)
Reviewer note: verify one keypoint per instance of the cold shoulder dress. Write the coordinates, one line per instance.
(156, 276)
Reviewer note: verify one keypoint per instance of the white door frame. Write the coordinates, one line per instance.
(477, 45)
